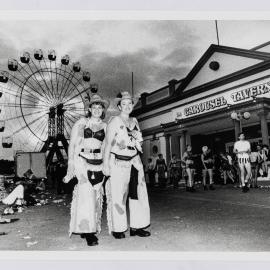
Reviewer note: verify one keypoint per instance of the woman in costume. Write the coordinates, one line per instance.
(85, 163)
(226, 166)
(255, 162)
(242, 149)
(123, 164)
(174, 171)
(188, 160)
(207, 167)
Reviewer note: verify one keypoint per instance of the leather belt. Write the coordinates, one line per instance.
(95, 151)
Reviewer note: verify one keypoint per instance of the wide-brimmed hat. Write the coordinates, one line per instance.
(95, 98)
(125, 95)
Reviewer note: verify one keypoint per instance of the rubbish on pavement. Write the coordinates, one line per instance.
(5, 220)
(29, 244)
(8, 220)
(58, 201)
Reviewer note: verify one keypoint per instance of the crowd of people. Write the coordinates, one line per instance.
(104, 162)
(242, 167)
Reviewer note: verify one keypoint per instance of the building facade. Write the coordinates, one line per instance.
(228, 90)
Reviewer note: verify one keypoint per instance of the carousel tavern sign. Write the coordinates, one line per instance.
(215, 102)
(205, 106)
(254, 91)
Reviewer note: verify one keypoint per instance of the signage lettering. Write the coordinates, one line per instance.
(231, 97)
(205, 106)
(251, 92)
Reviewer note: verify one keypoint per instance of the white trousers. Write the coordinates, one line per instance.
(117, 191)
(87, 200)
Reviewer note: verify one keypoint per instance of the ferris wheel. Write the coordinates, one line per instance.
(40, 99)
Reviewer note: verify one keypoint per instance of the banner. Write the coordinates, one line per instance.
(234, 96)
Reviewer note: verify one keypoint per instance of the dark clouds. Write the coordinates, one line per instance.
(181, 42)
(180, 56)
(113, 73)
(153, 66)
(171, 54)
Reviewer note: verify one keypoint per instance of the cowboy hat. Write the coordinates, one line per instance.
(95, 98)
(125, 95)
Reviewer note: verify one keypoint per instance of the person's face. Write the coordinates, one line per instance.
(160, 156)
(126, 106)
(189, 148)
(259, 148)
(205, 149)
(241, 137)
(96, 110)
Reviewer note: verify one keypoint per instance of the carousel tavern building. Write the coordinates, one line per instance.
(228, 90)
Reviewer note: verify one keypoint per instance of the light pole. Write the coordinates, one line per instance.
(239, 116)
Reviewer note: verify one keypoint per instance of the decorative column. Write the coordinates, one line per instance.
(175, 145)
(183, 143)
(168, 147)
(264, 128)
(237, 129)
(188, 139)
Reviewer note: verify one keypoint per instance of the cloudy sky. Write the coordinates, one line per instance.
(155, 51)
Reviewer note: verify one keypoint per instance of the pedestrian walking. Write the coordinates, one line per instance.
(85, 162)
(242, 149)
(123, 164)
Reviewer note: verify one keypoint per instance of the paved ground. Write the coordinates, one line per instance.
(222, 220)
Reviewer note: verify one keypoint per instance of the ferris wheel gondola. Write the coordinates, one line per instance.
(33, 87)
(52, 55)
(7, 141)
(2, 126)
(4, 76)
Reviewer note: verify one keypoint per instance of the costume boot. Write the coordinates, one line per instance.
(91, 239)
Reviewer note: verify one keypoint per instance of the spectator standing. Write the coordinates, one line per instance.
(226, 167)
(254, 162)
(174, 169)
(188, 160)
(208, 164)
(161, 169)
(151, 172)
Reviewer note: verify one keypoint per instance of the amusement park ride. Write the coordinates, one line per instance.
(40, 99)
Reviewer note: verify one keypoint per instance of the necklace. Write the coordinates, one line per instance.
(127, 122)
